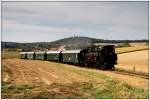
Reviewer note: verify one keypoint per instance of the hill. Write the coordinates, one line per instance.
(69, 43)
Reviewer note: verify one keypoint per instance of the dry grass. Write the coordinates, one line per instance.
(131, 49)
(36, 71)
(135, 60)
(43, 79)
(112, 89)
(10, 54)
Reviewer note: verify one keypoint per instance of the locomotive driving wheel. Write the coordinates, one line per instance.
(86, 65)
(103, 67)
(112, 68)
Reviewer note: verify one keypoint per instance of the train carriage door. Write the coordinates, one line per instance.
(45, 56)
(60, 56)
(34, 56)
(25, 56)
(81, 58)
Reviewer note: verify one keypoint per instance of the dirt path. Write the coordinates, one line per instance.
(36, 71)
(137, 60)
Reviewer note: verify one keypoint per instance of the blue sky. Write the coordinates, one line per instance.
(49, 21)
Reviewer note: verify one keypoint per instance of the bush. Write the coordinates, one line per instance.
(126, 44)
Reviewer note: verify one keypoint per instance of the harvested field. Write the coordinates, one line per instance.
(139, 44)
(44, 79)
(10, 54)
(42, 71)
(131, 49)
(36, 71)
(134, 61)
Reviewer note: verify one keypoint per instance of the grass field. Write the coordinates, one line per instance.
(44, 79)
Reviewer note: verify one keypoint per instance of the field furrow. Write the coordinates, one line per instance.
(45, 79)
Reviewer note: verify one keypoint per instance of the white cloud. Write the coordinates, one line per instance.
(65, 18)
(32, 33)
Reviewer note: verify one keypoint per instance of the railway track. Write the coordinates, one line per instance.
(124, 72)
(137, 74)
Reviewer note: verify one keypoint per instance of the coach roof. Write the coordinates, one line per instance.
(40, 52)
(71, 51)
(30, 52)
(51, 52)
(22, 52)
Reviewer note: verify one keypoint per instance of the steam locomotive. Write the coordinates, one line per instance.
(102, 58)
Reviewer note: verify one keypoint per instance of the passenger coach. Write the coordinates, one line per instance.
(71, 56)
(53, 55)
(23, 55)
(40, 55)
(30, 55)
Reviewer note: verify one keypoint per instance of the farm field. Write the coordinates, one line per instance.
(10, 54)
(131, 49)
(44, 79)
(137, 61)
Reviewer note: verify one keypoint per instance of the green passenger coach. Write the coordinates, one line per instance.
(71, 56)
(30, 55)
(23, 55)
(53, 55)
(40, 55)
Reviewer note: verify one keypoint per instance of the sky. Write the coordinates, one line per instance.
(50, 21)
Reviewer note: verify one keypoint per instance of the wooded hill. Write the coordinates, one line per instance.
(69, 43)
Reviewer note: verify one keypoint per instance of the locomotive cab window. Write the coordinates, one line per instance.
(76, 55)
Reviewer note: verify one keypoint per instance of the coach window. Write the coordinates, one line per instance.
(76, 55)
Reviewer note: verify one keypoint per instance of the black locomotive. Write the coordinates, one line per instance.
(102, 58)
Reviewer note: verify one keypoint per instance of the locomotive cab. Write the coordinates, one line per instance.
(110, 54)
(108, 57)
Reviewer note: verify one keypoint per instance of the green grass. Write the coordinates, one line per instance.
(85, 90)
(13, 90)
